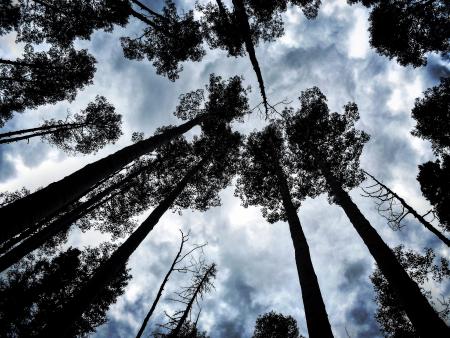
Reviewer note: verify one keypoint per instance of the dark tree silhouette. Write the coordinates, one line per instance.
(434, 179)
(264, 180)
(275, 325)
(408, 30)
(9, 16)
(42, 78)
(432, 115)
(38, 287)
(175, 266)
(188, 330)
(327, 146)
(167, 40)
(225, 101)
(60, 22)
(86, 132)
(212, 171)
(422, 268)
(394, 208)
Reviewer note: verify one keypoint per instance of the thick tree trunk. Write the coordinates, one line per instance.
(176, 331)
(243, 19)
(61, 323)
(422, 316)
(315, 311)
(31, 209)
(160, 291)
(413, 212)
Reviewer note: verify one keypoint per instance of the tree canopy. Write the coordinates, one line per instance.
(275, 325)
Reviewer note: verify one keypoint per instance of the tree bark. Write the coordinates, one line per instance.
(413, 212)
(246, 33)
(315, 311)
(422, 316)
(61, 323)
(36, 206)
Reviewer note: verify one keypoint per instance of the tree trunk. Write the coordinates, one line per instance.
(160, 291)
(36, 134)
(423, 317)
(149, 10)
(413, 212)
(61, 323)
(243, 18)
(30, 130)
(176, 331)
(315, 311)
(42, 203)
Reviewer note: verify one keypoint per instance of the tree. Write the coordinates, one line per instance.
(434, 179)
(9, 16)
(327, 146)
(38, 287)
(263, 180)
(433, 117)
(167, 40)
(394, 208)
(42, 78)
(225, 101)
(60, 22)
(212, 172)
(84, 133)
(408, 30)
(422, 269)
(173, 267)
(275, 325)
(188, 330)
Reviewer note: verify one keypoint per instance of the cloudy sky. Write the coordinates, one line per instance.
(256, 267)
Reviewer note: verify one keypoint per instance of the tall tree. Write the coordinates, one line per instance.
(394, 208)
(225, 101)
(38, 287)
(175, 266)
(167, 39)
(42, 78)
(264, 180)
(212, 171)
(9, 16)
(86, 132)
(408, 30)
(423, 269)
(328, 146)
(275, 325)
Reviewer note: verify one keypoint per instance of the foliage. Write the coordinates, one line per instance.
(422, 268)
(407, 30)
(170, 39)
(275, 325)
(37, 287)
(47, 77)
(9, 16)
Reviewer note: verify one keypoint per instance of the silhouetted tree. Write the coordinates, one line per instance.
(407, 30)
(275, 325)
(212, 171)
(422, 268)
(38, 287)
(432, 115)
(175, 266)
(60, 22)
(225, 101)
(394, 208)
(188, 330)
(327, 146)
(41, 78)
(167, 40)
(84, 133)
(9, 16)
(434, 179)
(265, 180)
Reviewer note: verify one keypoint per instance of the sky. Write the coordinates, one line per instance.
(256, 267)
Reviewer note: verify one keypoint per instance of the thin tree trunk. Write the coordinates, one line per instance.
(32, 208)
(422, 316)
(243, 18)
(19, 63)
(146, 8)
(61, 323)
(160, 291)
(176, 331)
(315, 311)
(26, 137)
(64, 222)
(144, 19)
(413, 212)
(30, 130)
